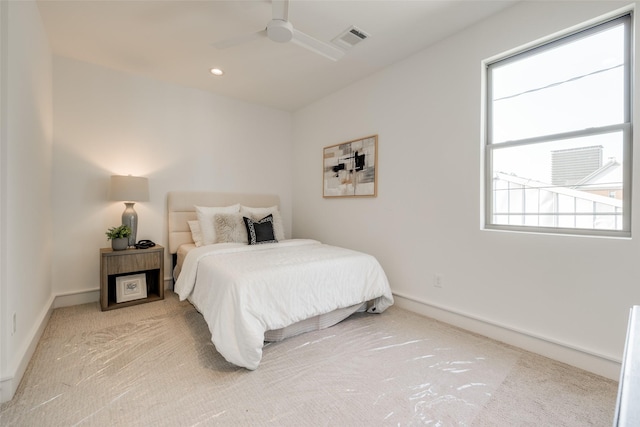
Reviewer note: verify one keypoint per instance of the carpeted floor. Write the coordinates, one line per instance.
(154, 365)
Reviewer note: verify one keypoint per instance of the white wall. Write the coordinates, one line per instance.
(108, 122)
(25, 172)
(534, 291)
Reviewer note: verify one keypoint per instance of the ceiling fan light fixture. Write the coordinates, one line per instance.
(280, 31)
(217, 71)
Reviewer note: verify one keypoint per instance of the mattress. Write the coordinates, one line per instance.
(183, 250)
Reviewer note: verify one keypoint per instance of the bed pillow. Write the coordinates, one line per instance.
(196, 234)
(261, 231)
(278, 228)
(205, 217)
(230, 228)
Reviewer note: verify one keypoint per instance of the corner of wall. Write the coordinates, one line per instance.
(3, 144)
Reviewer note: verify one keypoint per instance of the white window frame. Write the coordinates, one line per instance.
(625, 128)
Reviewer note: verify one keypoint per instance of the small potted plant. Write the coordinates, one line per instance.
(119, 237)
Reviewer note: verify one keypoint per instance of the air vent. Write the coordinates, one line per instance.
(350, 37)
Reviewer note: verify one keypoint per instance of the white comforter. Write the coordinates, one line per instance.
(243, 291)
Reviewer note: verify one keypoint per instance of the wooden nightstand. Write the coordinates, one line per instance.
(114, 264)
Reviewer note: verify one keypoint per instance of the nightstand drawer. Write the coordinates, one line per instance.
(133, 262)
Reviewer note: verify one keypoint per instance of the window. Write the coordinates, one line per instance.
(558, 135)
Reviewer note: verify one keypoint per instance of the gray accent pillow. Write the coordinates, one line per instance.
(230, 228)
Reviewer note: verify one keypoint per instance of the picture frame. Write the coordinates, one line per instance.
(131, 287)
(350, 169)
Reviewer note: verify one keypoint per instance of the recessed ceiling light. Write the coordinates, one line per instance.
(217, 71)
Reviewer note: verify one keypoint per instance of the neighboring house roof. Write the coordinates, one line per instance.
(607, 177)
(566, 191)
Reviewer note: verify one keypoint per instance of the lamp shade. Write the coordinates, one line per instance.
(129, 188)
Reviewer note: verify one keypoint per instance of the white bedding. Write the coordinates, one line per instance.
(244, 290)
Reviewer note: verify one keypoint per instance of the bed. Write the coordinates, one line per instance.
(252, 293)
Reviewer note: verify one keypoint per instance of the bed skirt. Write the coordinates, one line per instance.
(314, 323)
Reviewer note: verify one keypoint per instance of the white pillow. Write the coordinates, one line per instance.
(196, 234)
(259, 213)
(205, 217)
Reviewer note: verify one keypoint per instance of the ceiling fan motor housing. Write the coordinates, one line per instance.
(279, 31)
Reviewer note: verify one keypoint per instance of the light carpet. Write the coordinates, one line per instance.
(154, 365)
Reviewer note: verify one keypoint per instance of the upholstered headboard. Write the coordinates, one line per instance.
(181, 208)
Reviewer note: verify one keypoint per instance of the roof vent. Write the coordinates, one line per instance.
(350, 37)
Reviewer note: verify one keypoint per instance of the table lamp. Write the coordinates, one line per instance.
(129, 189)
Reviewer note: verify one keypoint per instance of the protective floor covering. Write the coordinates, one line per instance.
(154, 364)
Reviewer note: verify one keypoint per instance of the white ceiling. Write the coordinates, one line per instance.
(172, 41)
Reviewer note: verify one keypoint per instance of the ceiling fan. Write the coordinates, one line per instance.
(280, 30)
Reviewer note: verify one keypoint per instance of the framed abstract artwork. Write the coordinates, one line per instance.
(350, 169)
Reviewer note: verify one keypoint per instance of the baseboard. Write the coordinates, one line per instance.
(68, 299)
(9, 384)
(603, 365)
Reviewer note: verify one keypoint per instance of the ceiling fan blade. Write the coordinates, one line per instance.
(280, 9)
(235, 41)
(317, 46)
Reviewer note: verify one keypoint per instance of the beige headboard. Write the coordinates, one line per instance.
(181, 208)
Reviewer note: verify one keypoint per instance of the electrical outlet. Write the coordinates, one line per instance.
(438, 281)
(14, 324)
